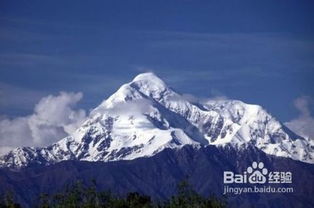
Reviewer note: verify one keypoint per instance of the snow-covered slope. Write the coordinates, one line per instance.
(145, 116)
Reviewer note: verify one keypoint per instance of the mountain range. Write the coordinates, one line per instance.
(145, 116)
(147, 132)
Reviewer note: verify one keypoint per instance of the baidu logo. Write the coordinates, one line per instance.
(257, 179)
(257, 173)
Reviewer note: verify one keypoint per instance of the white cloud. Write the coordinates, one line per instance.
(54, 117)
(303, 105)
(304, 123)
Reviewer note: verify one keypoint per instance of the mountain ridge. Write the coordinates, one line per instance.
(158, 176)
(145, 116)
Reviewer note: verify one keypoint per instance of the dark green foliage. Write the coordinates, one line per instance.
(7, 201)
(79, 195)
(188, 198)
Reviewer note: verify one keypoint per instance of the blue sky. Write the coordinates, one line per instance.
(259, 52)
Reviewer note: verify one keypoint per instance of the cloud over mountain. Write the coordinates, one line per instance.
(304, 123)
(53, 118)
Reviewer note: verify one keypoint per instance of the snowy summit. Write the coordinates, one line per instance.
(145, 116)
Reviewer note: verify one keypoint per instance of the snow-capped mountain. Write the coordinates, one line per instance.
(145, 116)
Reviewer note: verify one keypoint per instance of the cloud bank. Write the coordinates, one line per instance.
(54, 117)
(304, 124)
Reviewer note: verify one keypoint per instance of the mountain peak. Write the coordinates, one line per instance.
(144, 116)
(147, 76)
(148, 83)
(143, 85)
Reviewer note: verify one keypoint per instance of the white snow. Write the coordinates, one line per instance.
(144, 117)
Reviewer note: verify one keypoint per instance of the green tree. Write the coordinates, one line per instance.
(136, 200)
(186, 197)
(8, 201)
(79, 195)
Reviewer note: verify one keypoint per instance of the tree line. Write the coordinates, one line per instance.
(79, 195)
